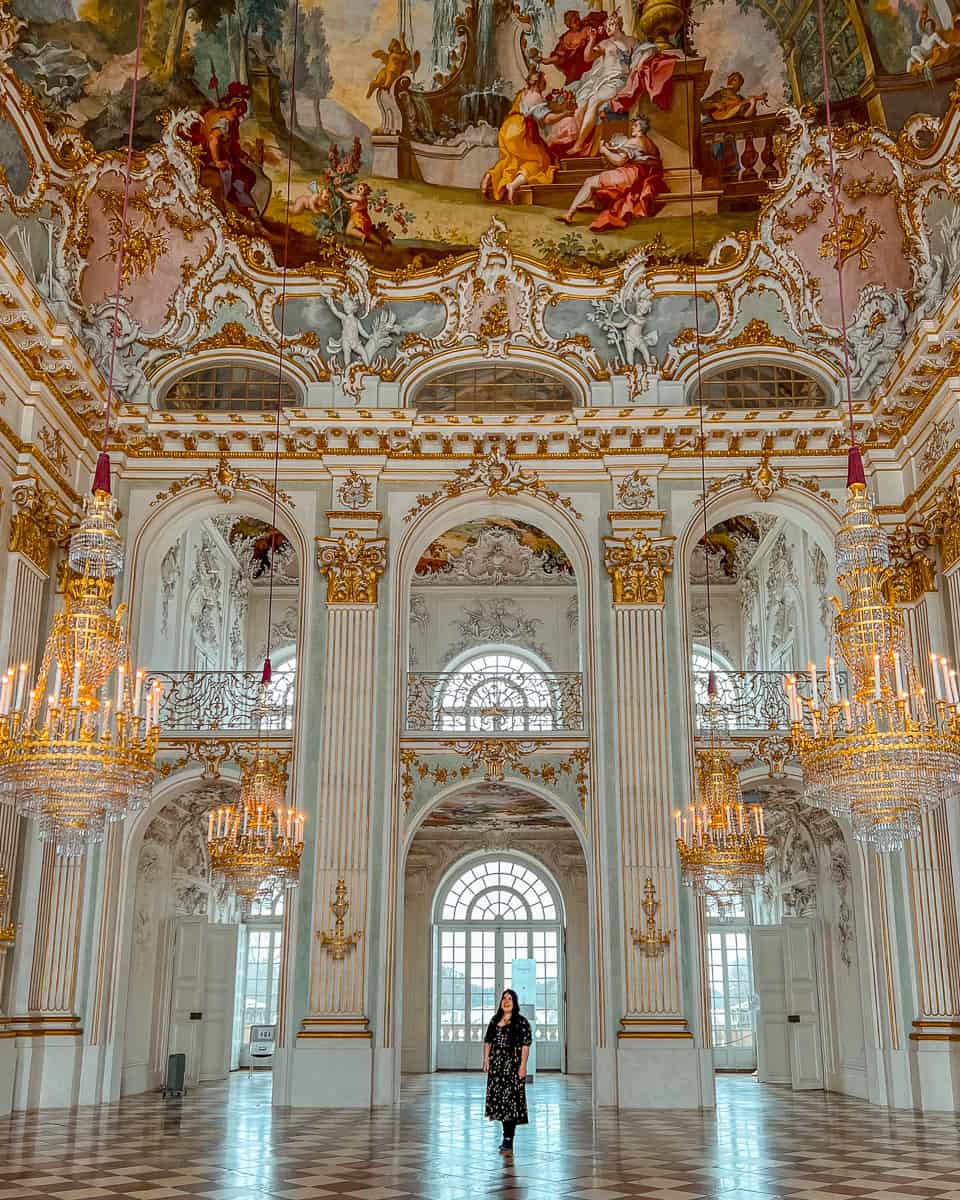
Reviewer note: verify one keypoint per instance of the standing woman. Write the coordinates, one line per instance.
(506, 1048)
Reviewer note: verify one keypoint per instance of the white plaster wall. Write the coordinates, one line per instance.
(433, 853)
(542, 620)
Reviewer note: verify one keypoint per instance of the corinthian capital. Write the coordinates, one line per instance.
(637, 566)
(353, 566)
(36, 523)
(942, 521)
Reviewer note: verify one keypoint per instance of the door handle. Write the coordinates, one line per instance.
(793, 1019)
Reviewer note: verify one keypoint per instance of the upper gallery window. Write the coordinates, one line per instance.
(493, 389)
(764, 385)
(229, 388)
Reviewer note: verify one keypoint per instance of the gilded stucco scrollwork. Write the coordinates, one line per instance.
(36, 524)
(496, 759)
(353, 566)
(224, 481)
(941, 520)
(497, 475)
(638, 566)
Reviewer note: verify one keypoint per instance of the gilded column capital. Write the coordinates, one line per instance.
(912, 571)
(637, 566)
(35, 523)
(941, 521)
(353, 566)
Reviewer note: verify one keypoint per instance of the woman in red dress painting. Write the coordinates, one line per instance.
(630, 188)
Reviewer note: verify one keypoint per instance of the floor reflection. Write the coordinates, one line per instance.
(226, 1142)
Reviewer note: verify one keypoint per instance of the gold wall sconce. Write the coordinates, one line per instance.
(653, 940)
(338, 943)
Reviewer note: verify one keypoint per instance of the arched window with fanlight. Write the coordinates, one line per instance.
(702, 662)
(489, 914)
(497, 691)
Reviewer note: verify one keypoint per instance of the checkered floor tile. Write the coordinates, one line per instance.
(226, 1142)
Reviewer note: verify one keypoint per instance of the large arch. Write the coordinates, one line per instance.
(432, 858)
(568, 531)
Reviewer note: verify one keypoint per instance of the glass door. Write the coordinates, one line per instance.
(731, 1000)
(492, 913)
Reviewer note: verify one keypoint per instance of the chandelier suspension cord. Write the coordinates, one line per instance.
(835, 202)
(699, 372)
(274, 532)
(122, 240)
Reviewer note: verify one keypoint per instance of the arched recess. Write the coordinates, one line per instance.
(180, 787)
(177, 368)
(816, 368)
(164, 524)
(534, 360)
(804, 510)
(569, 533)
(552, 846)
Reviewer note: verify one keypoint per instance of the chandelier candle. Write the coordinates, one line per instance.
(721, 842)
(255, 846)
(883, 755)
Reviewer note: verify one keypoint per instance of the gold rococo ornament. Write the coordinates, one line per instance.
(353, 566)
(638, 566)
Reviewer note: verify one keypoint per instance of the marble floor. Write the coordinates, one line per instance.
(225, 1142)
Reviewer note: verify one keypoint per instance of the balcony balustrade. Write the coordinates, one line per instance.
(225, 701)
(749, 701)
(494, 702)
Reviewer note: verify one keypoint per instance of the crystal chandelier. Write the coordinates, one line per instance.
(889, 752)
(255, 845)
(720, 840)
(79, 747)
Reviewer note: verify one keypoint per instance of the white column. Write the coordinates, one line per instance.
(658, 1063)
(933, 924)
(332, 1061)
(27, 580)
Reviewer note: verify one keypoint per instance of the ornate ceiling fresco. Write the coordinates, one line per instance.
(494, 806)
(494, 552)
(428, 191)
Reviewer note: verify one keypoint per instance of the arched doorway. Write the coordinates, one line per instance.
(492, 912)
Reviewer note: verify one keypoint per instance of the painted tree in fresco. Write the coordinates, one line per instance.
(318, 78)
(116, 20)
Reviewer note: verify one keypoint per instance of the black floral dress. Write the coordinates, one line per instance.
(506, 1094)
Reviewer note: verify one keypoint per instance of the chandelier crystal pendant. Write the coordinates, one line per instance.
(889, 752)
(720, 840)
(79, 748)
(255, 845)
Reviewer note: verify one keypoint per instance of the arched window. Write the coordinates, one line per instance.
(229, 388)
(280, 694)
(701, 664)
(493, 389)
(763, 385)
(490, 914)
(497, 692)
(499, 891)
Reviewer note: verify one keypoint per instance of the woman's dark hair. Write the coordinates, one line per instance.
(517, 1020)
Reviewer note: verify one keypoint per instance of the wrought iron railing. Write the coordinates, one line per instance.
(753, 700)
(224, 700)
(494, 701)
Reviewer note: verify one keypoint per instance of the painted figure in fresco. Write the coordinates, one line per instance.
(360, 224)
(221, 142)
(524, 155)
(397, 60)
(932, 49)
(558, 122)
(568, 54)
(622, 70)
(729, 104)
(629, 189)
